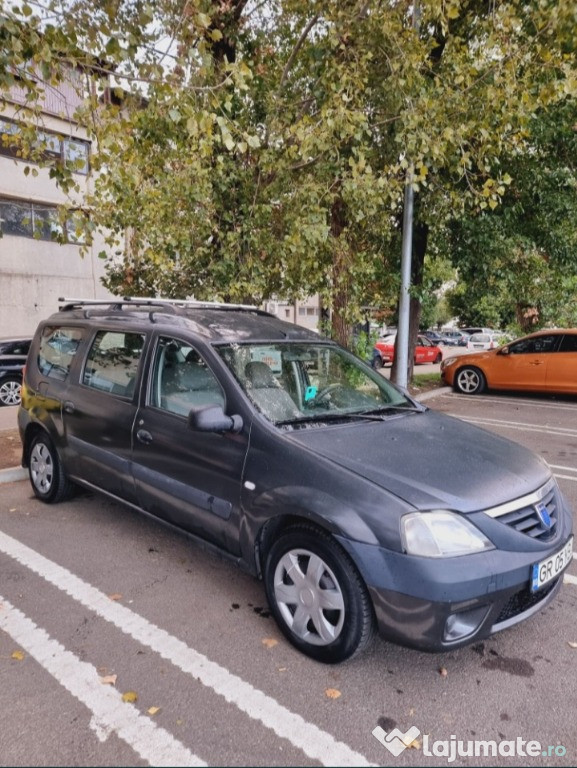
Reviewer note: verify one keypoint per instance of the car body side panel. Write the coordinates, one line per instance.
(512, 371)
(562, 372)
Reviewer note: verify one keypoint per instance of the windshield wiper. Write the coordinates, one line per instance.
(376, 414)
(395, 407)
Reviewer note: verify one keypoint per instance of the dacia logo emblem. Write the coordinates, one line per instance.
(544, 516)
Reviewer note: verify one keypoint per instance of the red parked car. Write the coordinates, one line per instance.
(425, 351)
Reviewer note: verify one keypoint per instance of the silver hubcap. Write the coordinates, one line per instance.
(309, 597)
(10, 393)
(468, 381)
(41, 468)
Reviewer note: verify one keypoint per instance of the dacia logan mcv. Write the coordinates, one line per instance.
(299, 462)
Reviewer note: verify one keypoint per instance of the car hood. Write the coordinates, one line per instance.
(474, 357)
(430, 460)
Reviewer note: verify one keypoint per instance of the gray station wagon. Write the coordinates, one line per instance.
(357, 506)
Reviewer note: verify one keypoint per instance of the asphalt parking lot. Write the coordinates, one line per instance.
(98, 603)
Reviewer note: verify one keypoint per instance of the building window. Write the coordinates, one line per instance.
(287, 313)
(302, 310)
(73, 152)
(24, 219)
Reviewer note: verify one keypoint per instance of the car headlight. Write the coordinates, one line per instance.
(441, 533)
(449, 361)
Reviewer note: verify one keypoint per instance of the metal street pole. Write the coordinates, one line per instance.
(402, 350)
(404, 298)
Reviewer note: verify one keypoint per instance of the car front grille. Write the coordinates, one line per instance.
(535, 515)
(526, 520)
(522, 601)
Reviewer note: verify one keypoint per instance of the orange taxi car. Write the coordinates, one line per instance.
(545, 361)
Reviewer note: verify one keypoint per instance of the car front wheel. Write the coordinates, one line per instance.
(317, 596)
(470, 381)
(47, 477)
(10, 389)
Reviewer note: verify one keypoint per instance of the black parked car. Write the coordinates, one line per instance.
(301, 464)
(13, 353)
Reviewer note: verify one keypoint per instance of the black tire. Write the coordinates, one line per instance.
(48, 480)
(439, 357)
(470, 380)
(10, 390)
(331, 606)
(377, 362)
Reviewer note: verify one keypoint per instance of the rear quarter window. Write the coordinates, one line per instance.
(112, 362)
(58, 345)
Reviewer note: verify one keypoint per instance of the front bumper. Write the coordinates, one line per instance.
(441, 604)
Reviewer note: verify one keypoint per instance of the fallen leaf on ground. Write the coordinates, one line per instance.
(18, 656)
(115, 596)
(443, 672)
(130, 696)
(13, 509)
(332, 693)
(269, 642)
(108, 680)
(571, 645)
(415, 744)
(153, 710)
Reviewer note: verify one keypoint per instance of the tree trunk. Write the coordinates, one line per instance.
(340, 327)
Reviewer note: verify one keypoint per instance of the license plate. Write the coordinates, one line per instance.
(548, 569)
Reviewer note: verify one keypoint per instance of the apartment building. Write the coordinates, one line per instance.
(34, 269)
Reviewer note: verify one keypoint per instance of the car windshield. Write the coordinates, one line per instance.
(293, 383)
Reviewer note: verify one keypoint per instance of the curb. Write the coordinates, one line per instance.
(432, 393)
(13, 474)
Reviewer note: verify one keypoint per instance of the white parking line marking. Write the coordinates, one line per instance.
(566, 477)
(519, 425)
(567, 469)
(110, 714)
(314, 742)
(516, 401)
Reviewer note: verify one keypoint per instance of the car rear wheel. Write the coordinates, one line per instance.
(47, 477)
(439, 357)
(470, 381)
(317, 596)
(10, 389)
(377, 362)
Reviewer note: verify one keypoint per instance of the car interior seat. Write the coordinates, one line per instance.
(267, 394)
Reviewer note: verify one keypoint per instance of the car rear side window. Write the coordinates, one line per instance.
(112, 362)
(569, 343)
(58, 345)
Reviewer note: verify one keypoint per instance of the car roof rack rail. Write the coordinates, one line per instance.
(68, 304)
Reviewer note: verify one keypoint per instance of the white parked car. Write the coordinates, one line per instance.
(485, 340)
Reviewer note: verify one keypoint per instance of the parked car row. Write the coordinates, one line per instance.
(13, 353)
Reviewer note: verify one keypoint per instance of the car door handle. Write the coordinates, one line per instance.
(536, 362)
(144, 436)
(69, 406)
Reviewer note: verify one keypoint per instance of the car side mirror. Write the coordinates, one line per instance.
(503, 351)
(212, 418)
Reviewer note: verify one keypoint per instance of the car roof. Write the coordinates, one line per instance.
(215, 322)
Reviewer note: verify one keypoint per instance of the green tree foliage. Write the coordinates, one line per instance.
(518, 263)
(249, 148)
